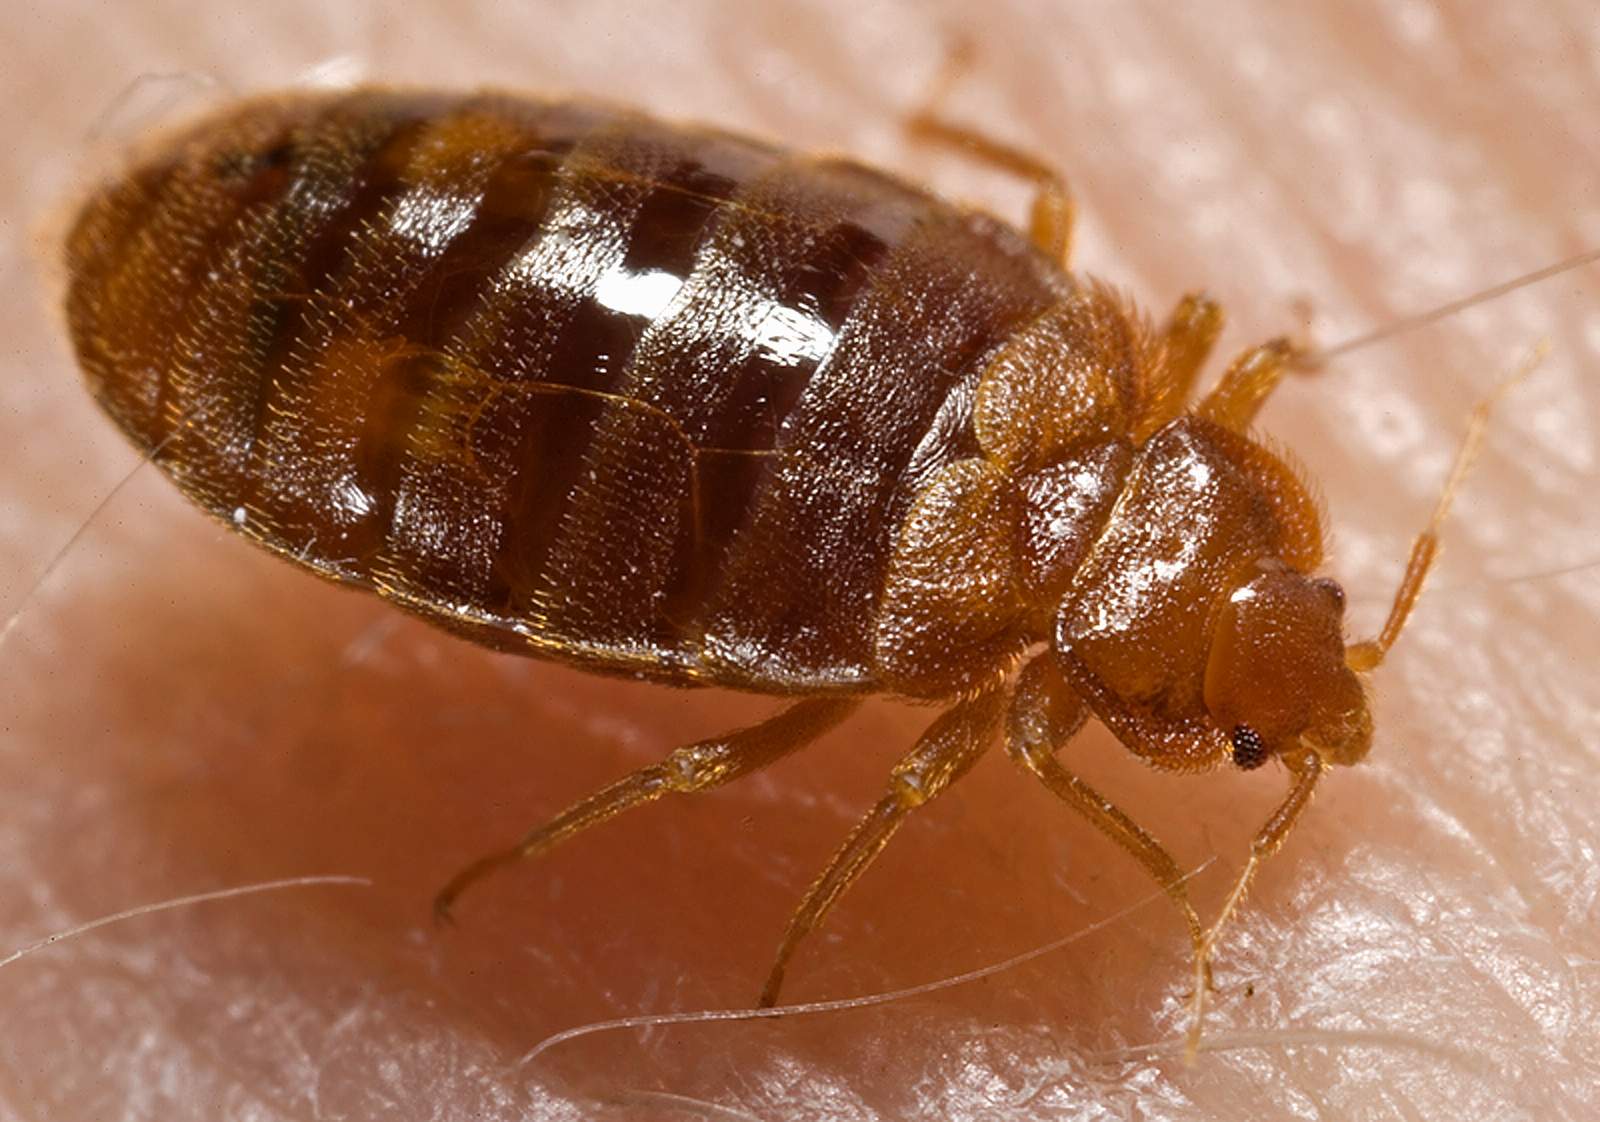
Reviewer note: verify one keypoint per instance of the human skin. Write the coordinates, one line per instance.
(180, 712)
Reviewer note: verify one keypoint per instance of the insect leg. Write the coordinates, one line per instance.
(694, 767)
(1255, 374)
(1368, 655)
(1247, 383)
(1186, 342)
(944, 753)
(1050, 218)
(1305, 770)
(1044, 715)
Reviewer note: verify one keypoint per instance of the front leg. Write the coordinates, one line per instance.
(1305, 770)
(1245, 386)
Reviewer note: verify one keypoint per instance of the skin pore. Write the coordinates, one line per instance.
(182, 713)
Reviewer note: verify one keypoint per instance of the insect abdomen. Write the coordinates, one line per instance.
(568, 380)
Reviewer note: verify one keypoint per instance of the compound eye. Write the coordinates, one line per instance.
(1249, 750)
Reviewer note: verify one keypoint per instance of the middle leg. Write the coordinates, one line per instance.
(1187, 339)
(944, 754)
(1044, 716)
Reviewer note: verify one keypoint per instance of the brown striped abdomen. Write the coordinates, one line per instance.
(570, 381)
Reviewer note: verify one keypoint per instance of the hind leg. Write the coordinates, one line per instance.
(1051, 215)
(694, 767)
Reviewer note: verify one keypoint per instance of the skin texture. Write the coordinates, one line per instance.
(181, 712)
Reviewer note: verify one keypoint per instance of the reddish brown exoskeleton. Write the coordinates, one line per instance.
(666, 402)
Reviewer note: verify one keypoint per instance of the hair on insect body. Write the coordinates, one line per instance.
(666, 402)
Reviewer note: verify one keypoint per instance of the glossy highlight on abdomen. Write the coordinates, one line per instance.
(573, 382)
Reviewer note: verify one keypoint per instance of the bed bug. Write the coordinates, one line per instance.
(666, 402)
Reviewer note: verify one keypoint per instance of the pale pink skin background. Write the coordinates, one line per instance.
(180, 713)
